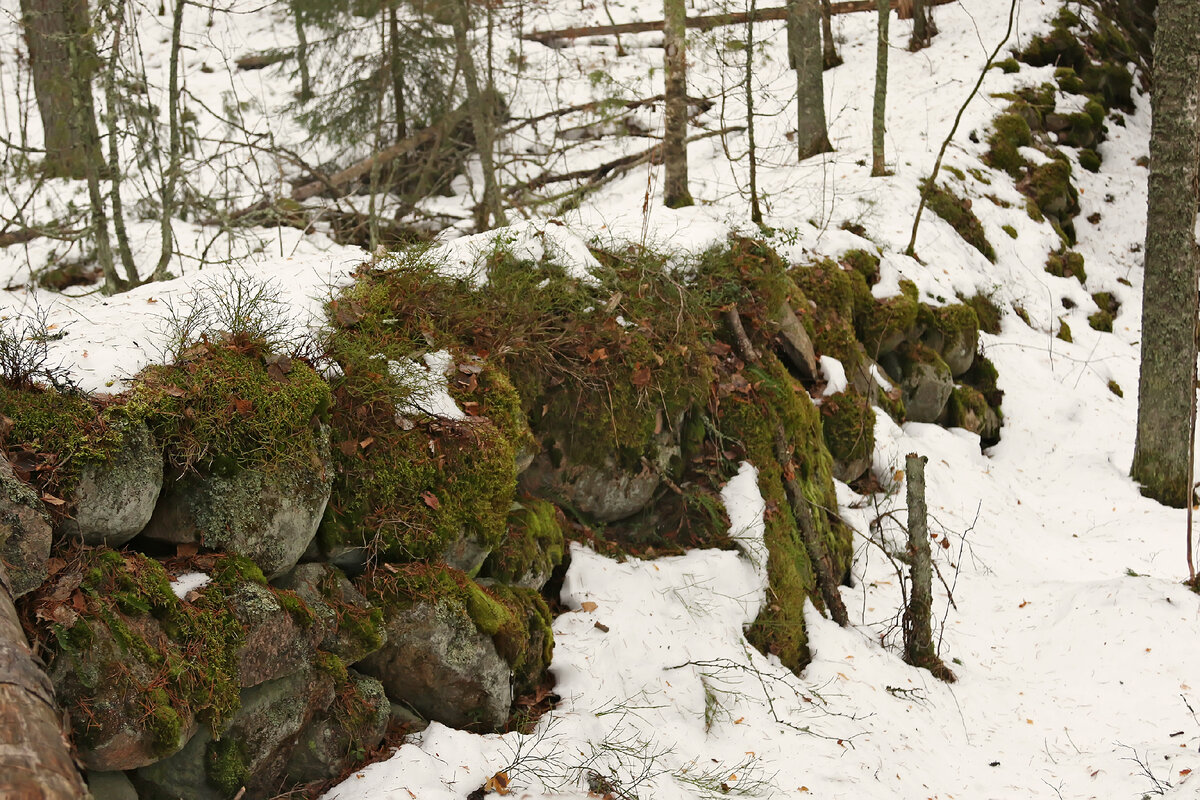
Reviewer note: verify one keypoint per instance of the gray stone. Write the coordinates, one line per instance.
(268, 517)
(344, 616)
(114, 500)
(926, 388)
(110, 786)
(25, 532)
(466, 553)
(253, 748)
(438, 662)
(795, 345)
(276, 643)
(338, 739)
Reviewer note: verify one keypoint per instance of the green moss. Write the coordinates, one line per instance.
(1109, 307)
(957, 212)
(1112, 81)
(968, 409)
(228, 769)
(1089, 160)
(1011, 131)
(1064, 332)
(524, 638)
(1067, 264)
(1115, 388)
(1083, 130)
(986, 312)
(883, 324)
(983, 376)
(1010, 230)
(848, 425)
(1068, 80)
(865, 263)
(1051, 190)
(1060, 47)
(839, 295)
(533, 544)
(1008, 66)
(223, 410)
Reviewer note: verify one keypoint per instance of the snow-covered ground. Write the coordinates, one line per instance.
(1075, 645)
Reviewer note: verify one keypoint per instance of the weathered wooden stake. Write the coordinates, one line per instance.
(919, 649)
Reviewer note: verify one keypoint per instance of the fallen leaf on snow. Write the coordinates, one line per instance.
(588, 606)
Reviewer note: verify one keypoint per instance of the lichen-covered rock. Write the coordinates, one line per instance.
(968, 409)
(278, 640)
(438, 661)
(925, 383)
(605, 493)
(267, 514)
(532, 548)
(883, 325)
(351, 626)
(114, 499)
(253, 749)
(953, 331)
(795, 345)
(334, 740)
(25, 532)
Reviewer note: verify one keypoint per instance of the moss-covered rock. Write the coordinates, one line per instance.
(883, 325)
(1067, 264)
(338, 738)
(968, 409)
(115, 498)
(953, 331)
(532, 547)
(865, 263)
(25, 533)
(447, 641)
(350, 626)
(848, 425)
(1010, 132)
(957, 212)
(925, 381)
(1049, 186)
(1108, 307)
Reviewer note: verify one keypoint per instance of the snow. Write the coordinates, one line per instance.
(430, 391)
(1074, 643)
(189, 582)
(835, 376)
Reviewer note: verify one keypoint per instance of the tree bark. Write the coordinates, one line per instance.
(919, 649)
(804, 53)
(35, 759)
(752, 148)
(479, 120)
(921, 32)
(675, 165)
(878, 112)
(1167, 385)
(175, 145)
(830, 55)
(55, 31)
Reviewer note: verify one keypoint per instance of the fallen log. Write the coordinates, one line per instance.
(262, 60)
(35, 760)
(702, 23)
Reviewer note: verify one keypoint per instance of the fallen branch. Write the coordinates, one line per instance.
(262, 60)
(701, 23)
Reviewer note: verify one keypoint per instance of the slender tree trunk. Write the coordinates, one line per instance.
(919, 649)
(922, 31)
(878, 113)
(396, 62)
(675, 165)
(302, 59)
(755, 208)
(830, 55)
(167, 233)
(114, 161)
(35, 761)
(479, 120)
(1167, 386)
(804, 53)
(54, 30)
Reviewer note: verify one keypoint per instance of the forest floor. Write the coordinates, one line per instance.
(1074, 641)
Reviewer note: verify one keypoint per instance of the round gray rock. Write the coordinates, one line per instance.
(114, 500)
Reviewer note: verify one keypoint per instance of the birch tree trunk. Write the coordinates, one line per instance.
(804, 52)
(878, 113)
(675, 165)
(1167, 385)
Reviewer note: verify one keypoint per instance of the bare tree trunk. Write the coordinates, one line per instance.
(302, 60)
(804, 53)
(114, 165)
(675, 165)
(922, 30)
(919, 649)
(878, 121)
(54, 31)
(174, 147)
(755, 208)
(479, 120)
(830, 55)
(1167, 386)
(396, 62)
(35, 759)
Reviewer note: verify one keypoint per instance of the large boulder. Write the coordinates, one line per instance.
(925, 382)
(351, 627)
(281, 634)
(438, 661)
(268, 514)
(25, 532)
(114, 499)
(253, 749)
